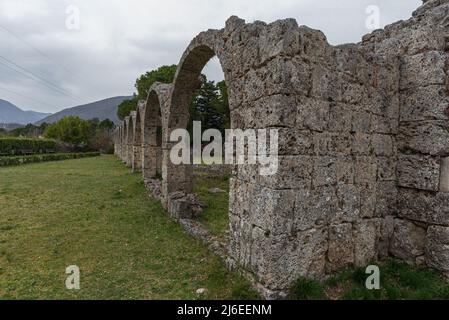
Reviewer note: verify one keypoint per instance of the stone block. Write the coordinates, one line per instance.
(273, 210)
(341, 247)
(366, 235)
(422, 69)
(361, 122)
(278, 261)
(345, 168)
(426, 137)
(365, 171)
(414, 204)
(349, 205)
(312, 114)
(437, 248)
(383, 145)
(408, 241)
(425, 103)
(444, 175)
(294, 141)
(294, 172)
(368, 201)
(386, 198)
(324, 172)
(275, 111)
(362, 144)
(384, 125)
(419, 172)
(386, 232)
(313, 208)
(386, 169)
(339, 118)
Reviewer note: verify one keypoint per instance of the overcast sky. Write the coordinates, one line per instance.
(118, 40)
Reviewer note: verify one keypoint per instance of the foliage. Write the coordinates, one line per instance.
(24, 145)
(69, 129)
(210, 106)
(164, 74)
(206, 106)
(19, 160)
(306, 289)
(101, 141)
(209, 103)
(30, 130)
(84, 135)
(398, 281)
(106, 124)
(125, 108)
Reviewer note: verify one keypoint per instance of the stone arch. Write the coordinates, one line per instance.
(187, 79)
(136, 164)
(153, 115)
(123, 141)
(128, 141)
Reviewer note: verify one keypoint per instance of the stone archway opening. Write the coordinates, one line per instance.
(210, 182)
(136, 162)
(198, 190)
(152, 137)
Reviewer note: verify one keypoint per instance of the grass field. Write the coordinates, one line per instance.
(94, 214)
(215, 217)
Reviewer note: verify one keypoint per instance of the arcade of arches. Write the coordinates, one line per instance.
(363, 145)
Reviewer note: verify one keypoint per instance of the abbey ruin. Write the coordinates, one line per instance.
(363, 144)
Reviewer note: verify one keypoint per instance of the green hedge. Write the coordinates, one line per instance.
(19, 160)
(11, 146)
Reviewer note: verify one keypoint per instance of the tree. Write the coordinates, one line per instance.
(106, 124)
(28, 131)
(125, 108)
(70, 129)
(164, 74)
(223, 105)
(210, 106)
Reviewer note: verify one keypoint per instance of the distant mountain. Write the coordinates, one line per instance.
(103, 109)
(9, 113)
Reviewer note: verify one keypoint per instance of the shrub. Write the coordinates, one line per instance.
(69, 129)
(19, 160)
(12, 146)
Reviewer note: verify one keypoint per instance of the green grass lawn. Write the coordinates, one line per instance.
(215, 216)
(94, 214)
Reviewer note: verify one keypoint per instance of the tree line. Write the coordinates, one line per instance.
(72, 134)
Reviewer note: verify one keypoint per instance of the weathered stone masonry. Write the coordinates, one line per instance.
(364, 148)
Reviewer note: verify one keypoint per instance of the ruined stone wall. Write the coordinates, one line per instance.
(363, 136)
(136, 142)
(421, 226)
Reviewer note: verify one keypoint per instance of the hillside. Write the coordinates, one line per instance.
(9, 113)
(103, 109)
